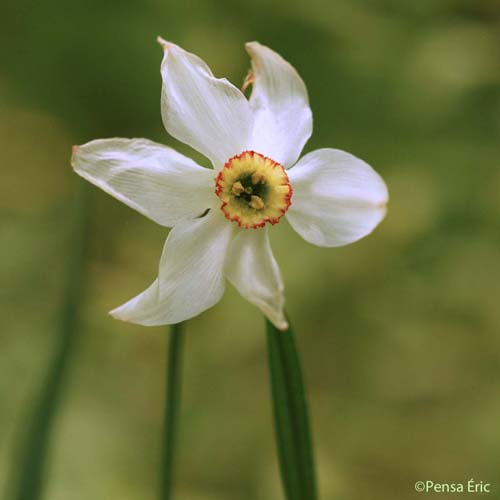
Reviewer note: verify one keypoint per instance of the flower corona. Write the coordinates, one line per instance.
(254, 190)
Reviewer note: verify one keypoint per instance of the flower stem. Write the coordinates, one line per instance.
(293, 436)
(27, 481)
(172, 404)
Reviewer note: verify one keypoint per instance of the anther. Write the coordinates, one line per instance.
(237, 188)
(257, 178)
(256, 202)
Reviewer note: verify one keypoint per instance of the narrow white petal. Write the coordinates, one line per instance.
(253, 270)
(209, 114)
(282, 116)
(337, 198)
(191, 274)
(153, 179)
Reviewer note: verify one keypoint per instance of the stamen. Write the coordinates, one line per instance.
(256, 202)
(237, 188)
(250, 78)
(257, 178)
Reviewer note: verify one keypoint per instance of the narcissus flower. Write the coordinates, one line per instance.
(220, 217)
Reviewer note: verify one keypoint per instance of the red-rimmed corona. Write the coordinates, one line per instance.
(254, 190)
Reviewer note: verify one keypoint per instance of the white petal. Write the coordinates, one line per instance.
(191, 277)
(283, 119)
(209, 114)
(153, 179)
(337, 198)
(253, 270)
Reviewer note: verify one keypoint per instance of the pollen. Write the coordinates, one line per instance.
(257, 178)
(237, 188)
(253, 190)
(256, 202)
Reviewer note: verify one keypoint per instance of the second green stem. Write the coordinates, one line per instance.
(293, 435)
(172, 404)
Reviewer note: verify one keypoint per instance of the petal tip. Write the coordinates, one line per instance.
(383, 203)
(283, 326)
(253, 47)
(280, 322)
(163, 43)
(74, 151)
(118, 314)
(253, 43)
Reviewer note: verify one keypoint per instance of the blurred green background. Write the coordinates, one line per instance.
(398, 333)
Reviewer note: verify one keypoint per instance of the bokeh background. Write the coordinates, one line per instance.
(398, 333)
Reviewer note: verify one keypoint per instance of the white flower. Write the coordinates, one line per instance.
(219, 216)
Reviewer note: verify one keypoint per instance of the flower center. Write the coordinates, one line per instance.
(254, 190)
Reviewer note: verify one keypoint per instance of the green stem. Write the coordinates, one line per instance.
(293, 436)
(172, 404)
(28, 476)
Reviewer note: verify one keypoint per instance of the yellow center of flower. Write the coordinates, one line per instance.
(254, 190)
